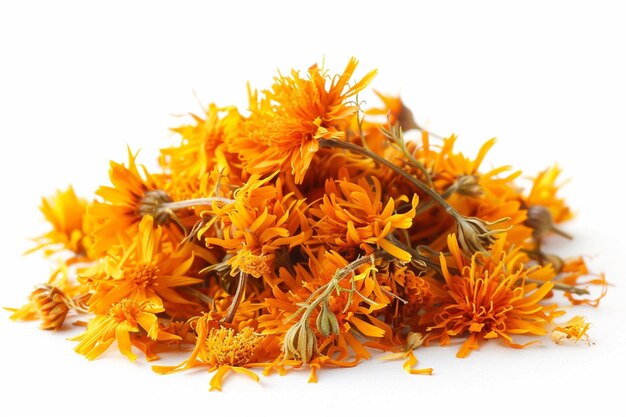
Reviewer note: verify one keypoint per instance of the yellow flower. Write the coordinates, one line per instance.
(52, 301)
(47, 303)
(293, 115)
(122, 208)
(145, 269)
(120, 321)
(544, 193)
(220, 349)
(65, 212)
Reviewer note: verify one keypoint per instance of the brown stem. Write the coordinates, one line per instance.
(334, 143)
(562, 287)
(241, 285)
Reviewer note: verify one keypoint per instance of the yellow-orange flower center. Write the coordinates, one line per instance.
(143, 276)
(125, 310)
(227, 347)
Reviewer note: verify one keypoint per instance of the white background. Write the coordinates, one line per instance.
(79, 81)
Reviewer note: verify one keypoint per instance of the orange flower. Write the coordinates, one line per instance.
(203, 143)
(220, 349)
(488, 301)
(51, 302)
(47, 303)
(120, 321)
(145, 269)
(353, 215)
(122, 208)
(335, 330)
(544, 193)
(256, 225)
(286, 123)
(202, 156)
(65, 212)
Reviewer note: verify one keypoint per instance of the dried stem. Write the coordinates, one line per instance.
(232, 309)
(207, 201)
(560, 286)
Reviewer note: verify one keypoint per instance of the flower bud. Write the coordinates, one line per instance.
(152, 204)
(468, 186)
(326, 322)
(300, 342)
(51, 306)
(474, 235)
(540, 220)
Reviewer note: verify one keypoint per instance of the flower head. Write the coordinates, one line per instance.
(123, 207)
(123, 319)
(544, 193)
(256, 225)
(144, 269)
(202, 152)
(352, 213)
(47, 303)
(488, 301)
(65, 212)
(220, 349)
(287, 121)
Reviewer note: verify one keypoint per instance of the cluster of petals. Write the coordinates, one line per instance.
(308, 231)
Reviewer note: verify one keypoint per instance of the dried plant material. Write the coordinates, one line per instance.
(306, 231)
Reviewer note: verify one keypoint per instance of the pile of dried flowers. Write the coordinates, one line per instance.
(306, 231)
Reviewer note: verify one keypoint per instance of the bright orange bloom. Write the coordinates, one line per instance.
(120, 321)
(121, 210)
(202, 157)
(203, 143)
(352, 214)
(220, 349)
(544, 193)
(65, 212)
(145, 269)
(286, 124)
(320, 206)
(488, 300)
(256, 224)
(355, 309)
